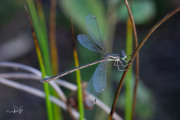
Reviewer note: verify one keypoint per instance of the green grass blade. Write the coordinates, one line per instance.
(56, 109)
(41, 34)
(129, 77)
(80, 97)
(78, 77)
(44, 39)
(41, 38)
(54, 54)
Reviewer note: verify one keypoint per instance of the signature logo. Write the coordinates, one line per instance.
(16, 109)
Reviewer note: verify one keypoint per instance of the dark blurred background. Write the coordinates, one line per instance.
(159, 89)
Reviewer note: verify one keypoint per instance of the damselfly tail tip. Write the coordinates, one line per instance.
(90, 102)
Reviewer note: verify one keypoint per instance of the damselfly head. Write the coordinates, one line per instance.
(123, 55)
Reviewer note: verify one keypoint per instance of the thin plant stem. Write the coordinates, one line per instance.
(137, 59)
(20, 66)
(135, 54)
(78, 76)
(54, 53)
(55, 100)
(40, 30)
(52, 37)
(128, 82)
(40, 59)
(38, 93)
(41, 16)
(44, 39)
(34, 74)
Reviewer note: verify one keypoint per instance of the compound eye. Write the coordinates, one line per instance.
(123, 55)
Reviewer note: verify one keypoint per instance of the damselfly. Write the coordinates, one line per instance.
(97, 82)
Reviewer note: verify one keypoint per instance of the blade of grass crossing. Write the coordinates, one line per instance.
(52, 38)
(56, 110)
(35, 22)
(44, 38)
(129, 78)
(46, 86)
(54, 54)
(135, 53)
(41, 36)
(78, 77)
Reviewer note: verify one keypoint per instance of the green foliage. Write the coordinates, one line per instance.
(9, 10)
(142, 10)
(128, 82)
(43, 42)
(79, 9)
(145, 102)
(145, 99)
(41, 33)
(78, 79)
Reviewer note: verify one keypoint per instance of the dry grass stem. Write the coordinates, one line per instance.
(37, 76)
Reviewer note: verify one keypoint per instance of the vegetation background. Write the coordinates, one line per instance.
(158, 97)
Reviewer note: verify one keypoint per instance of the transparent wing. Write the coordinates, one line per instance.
(94, 31)
(99, 77)
(91, 93)
(85, 41)
(96, 84)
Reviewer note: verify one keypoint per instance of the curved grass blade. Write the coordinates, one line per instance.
(129, 78)
(135, 54)
(40, 59)
(78, 76)
(54, 54)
